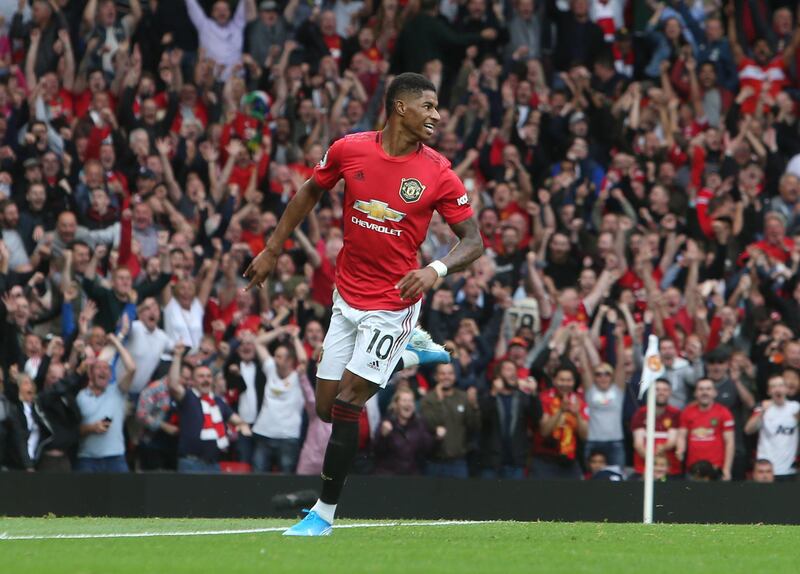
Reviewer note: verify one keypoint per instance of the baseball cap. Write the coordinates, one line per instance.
(268, 6)
(518, 341)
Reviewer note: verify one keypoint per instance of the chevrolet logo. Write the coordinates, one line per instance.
(378, 210)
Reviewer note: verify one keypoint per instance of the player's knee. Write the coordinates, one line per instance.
(355, 390)
(354, 396)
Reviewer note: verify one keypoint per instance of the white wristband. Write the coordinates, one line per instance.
(439, 267)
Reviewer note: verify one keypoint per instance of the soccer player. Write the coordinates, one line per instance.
(393, 183)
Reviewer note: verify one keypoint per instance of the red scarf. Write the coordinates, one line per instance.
(213, 425)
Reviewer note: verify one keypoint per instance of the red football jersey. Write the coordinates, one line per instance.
(704, 440)
(753, 75)
(669, 419)
(563, 441)
(388, 204)
(581, 317)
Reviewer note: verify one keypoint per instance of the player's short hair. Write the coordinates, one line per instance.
(406, 83)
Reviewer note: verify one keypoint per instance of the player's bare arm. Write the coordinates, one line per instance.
(297, 210)
(467, 250)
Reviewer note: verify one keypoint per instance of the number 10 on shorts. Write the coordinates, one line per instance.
(382, 345)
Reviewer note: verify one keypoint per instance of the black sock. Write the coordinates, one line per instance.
(341, 451)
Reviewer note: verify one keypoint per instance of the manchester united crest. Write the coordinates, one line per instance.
(654, 363)
(411, 189)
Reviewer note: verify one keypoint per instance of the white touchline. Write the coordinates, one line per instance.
(6, 536)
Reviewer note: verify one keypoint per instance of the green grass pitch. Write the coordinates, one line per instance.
(502, 547)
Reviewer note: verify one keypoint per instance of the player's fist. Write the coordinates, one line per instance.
(260, 268)
(440, 432)
(417, 282)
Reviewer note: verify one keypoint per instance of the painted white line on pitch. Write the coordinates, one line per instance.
(6, 536)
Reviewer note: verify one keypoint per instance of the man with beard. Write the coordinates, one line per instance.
(203, 415)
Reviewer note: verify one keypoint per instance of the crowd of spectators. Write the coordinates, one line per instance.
(634, 168)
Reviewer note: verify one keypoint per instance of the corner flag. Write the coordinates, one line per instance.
(653, 368)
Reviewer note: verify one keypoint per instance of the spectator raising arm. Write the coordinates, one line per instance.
(607, 278)
(733, 34)
(127, 360)
(209, 276)
(789, 52)
(176, 389)
(312, 254)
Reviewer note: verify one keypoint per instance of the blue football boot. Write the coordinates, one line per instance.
(425, 349)
(311, 525)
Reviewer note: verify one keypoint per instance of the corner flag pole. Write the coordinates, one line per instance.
(651, 371)
(650, 440)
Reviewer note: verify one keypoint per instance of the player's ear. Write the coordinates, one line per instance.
(400, 107)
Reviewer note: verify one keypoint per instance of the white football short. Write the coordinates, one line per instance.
(366, 343)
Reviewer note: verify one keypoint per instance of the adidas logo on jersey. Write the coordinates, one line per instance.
(374, 365)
